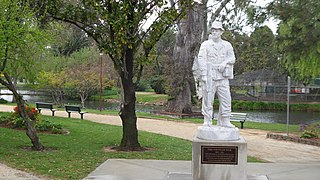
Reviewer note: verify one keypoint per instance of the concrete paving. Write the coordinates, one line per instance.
(125, 169)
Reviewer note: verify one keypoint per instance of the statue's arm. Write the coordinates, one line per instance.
(202, 60)
(229, 59)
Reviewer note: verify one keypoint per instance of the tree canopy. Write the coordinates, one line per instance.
(19, 38)
(298, 39)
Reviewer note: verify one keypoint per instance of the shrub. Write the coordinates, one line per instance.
(142, 85)
(4, 119)
(46, 125)
(157, 83)
(3, 101)
(13, 120)
(31, 111)
(310, 131)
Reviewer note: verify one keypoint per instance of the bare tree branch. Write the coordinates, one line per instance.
(218, 11)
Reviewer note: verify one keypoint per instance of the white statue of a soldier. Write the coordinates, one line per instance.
(213, 69)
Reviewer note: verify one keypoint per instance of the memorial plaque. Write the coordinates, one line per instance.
(219, 155)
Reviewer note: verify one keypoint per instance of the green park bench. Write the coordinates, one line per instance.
(70, 109)
(41, 106)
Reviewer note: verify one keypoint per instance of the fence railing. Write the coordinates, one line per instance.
(276, 93)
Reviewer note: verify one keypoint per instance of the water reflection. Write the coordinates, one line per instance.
(281, 117)
(29, 96)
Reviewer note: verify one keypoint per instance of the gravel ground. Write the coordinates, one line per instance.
(8, 173)
(258, 145)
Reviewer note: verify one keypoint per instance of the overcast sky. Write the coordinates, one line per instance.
(271, 23)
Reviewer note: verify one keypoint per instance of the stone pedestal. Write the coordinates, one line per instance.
(221, 160)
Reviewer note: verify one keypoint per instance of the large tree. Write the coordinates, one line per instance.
(117, 28)
(19, 36)
(188, 38)
(299, 34)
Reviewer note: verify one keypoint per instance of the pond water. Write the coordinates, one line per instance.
(256, 116)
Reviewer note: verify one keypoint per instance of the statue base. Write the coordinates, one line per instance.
(218, 133)
(223, 160)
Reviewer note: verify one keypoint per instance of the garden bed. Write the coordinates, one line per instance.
(294, 138)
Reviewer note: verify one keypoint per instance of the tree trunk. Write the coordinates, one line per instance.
(30, 129)
(57, 96)
(187, 44)
(128, 116)
(83, 98)
(15, 82)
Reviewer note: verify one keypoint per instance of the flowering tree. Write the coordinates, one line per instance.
(55, 82)
(83, 79)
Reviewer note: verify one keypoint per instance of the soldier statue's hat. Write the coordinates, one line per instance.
(217, 25)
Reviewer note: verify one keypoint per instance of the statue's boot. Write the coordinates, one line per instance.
(207, 123)
(225, 122)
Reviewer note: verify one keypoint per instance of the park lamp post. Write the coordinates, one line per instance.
(101, 81)
(288, 104)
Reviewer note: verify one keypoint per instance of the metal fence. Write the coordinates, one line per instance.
(276, 93)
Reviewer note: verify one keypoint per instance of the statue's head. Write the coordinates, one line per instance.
(217, 25)
(216, 30)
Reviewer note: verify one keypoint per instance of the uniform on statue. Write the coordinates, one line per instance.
(212, 70)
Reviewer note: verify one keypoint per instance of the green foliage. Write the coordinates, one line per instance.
(3, 101)
(54, 82)
(42, 124)
(56, 63)
(77, 75)
(48, 125)
(13, 120)
(274, 106)
(157, 83)
(21, 39)
(310, 131)
(255, 52)
(118, 27)
(298, 38)
(69, 39)
(50, 80)
(142, 85)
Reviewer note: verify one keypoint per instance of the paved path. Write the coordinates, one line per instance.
(258, 145)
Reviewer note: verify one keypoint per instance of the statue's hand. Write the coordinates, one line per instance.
(222, 66)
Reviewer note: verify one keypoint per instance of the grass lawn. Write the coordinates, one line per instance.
(75, 155)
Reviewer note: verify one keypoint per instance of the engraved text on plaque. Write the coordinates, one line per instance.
(219, 155)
